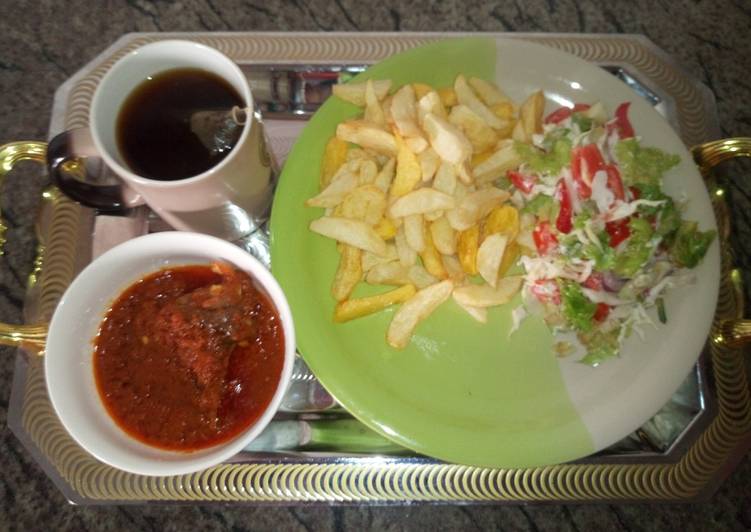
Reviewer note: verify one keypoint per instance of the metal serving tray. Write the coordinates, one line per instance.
(682, 453)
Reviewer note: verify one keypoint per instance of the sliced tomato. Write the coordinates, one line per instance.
(565, 221)
(615, 183)
(601, 312)
(618, 231)
(521, 181)
(545, 240)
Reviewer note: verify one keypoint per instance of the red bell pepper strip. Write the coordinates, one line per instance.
(615, 183)
(557, 116)
(622, 123)
(564, 222)
(618, 231)
(585, 162)
(544, 238)
(562, 113)
(601, 312)
(520, 181)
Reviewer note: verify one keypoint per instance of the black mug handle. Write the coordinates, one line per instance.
(68, 145)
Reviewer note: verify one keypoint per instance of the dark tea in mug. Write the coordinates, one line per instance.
(156, 127)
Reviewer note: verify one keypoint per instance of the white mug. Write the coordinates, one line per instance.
(229, 200)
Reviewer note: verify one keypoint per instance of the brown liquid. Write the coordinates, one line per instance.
(153, 128)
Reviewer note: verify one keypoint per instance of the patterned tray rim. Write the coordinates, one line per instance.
(693, 476)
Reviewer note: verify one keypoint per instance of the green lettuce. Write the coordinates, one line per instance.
(577, 309)
(542, 206)
(638, 248)
(600, 345)
(690, 245)
(549, 162)
(641, 165)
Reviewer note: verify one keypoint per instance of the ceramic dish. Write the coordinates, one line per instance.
(465, 392)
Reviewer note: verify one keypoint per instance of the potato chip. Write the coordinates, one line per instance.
(503, 220)
(420, 276)
(416, 145)
(393, 273)
(530, 117)
(355, 92)
(366, 203)
(385, 228)
(489, 257)
(464, 172)
(414, 231)
(467, 243)
(479, 314)
(368, 171)
(357, 308)
(444, 236)
(414, 310)
(335, 192)
(348, 274)
(373, 111)
(408, 171)
(367, 135)
(479, 133)
(407, 255)
(353, 232)
(404, 112)
(386, 175)
(429, 162)
(475, 206)
(369, 260)
(503, 110)
(488, 92)
(421, 89)
(334, 156)
(476, 295)
(447, 96)
(432, 216)
(466, 96)
(453, 268)
(504, 159)
(421, 201)
(446, 139)
(430, 103)
(445, 178)
(431, 258)
(510, 257)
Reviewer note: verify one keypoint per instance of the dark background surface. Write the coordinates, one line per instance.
(42, 43)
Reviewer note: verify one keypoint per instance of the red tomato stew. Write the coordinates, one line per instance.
(189, 357)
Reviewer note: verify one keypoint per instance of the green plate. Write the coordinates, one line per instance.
(461, 391)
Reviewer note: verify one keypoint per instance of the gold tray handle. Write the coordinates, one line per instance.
(734, 333)
(31, 337)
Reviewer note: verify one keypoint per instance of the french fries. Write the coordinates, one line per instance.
(414, 310)
(355, 92)
(357, 308)
(410, 193)
(349, 272)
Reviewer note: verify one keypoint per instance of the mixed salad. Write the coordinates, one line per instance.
(609, 241)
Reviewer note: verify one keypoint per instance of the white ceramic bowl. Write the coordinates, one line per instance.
(69, 354)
